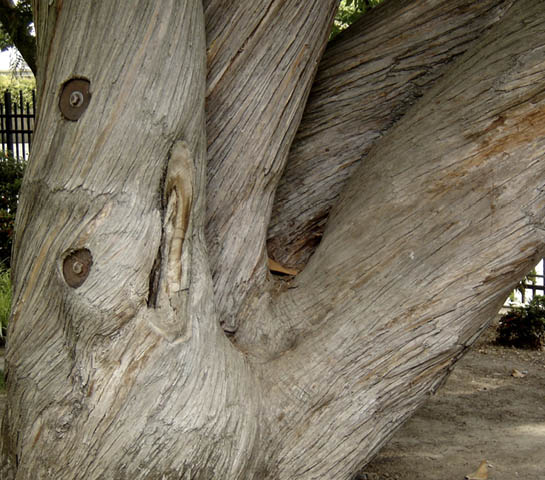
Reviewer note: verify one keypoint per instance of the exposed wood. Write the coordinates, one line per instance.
(274, 266)
(368, 78)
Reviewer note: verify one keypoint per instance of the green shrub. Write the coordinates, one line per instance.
(11, 176)
(529, 279)
(15, 84)
(349, 11)
(524, 327)
(5, 301)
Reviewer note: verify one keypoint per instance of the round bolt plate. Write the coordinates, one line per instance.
(75, 98)
(76, 267)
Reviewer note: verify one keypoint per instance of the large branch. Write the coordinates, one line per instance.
(368, 78)
(428, 238)
(262, 57)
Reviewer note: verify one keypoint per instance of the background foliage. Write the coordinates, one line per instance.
(349, 11)
(15, 83)
(23, 17)
(17, 29)
(524, 327)
(11, 176)
(5, 40)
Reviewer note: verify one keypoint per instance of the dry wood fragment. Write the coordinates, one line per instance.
(480, 474)
(276, 267)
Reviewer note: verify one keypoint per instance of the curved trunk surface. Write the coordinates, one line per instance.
(117, 366)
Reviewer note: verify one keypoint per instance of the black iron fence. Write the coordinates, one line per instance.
(16, 124)
(532, 285)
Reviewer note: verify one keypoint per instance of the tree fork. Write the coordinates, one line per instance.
(425, 242)
(368, 78)
(256, 90)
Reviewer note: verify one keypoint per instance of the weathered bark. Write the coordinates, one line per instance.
(368, 78)
(262, 56)
(423, 247)
(126, 373)
(124, 376)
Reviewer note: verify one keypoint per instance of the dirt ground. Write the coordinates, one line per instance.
(483, 412)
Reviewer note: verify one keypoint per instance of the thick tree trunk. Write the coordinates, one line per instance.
(118, 367)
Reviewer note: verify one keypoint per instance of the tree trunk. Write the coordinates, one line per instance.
(118, 367)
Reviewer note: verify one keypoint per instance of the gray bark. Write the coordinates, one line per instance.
(369, 77)
(423, 247)
(262, 57)
(119, 369)
(125, 375)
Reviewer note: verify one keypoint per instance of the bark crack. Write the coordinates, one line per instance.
(169, 280)
(155, 274)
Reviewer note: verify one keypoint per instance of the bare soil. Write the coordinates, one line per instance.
(482, 412)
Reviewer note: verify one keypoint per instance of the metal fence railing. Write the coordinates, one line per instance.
(16, 124)
(533, 284)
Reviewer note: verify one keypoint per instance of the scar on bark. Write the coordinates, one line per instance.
(178, 197)
(167, 284)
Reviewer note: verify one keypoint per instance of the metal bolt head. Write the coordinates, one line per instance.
(74, 99)
(76, 267)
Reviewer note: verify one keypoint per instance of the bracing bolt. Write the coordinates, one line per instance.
(76, 98)
(76, 267)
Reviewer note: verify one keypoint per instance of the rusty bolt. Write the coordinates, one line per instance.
(76, 267)
(74, 99)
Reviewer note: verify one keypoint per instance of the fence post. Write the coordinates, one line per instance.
(9, 127)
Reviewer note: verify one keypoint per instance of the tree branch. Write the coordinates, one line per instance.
(16, 22)
(368, 78)
(257, 88)
(427, 240)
